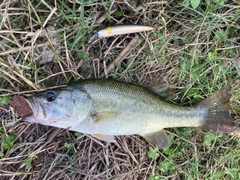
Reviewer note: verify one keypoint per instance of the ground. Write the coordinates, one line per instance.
(194, 51)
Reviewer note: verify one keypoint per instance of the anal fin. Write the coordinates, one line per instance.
(158, 138)
(103, 137)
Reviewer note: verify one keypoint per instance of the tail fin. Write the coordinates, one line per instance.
(218, 117)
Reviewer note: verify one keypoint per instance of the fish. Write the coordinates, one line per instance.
(119, 30)
(105, 108)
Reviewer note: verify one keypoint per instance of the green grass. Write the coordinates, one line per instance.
(194, 48)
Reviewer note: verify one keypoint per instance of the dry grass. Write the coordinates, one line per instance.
(44, 44)
(83, 159)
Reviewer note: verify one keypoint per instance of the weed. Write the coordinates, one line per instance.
(195, 3)
(28, 162)
(153, 154)
(4, 100)
(8, 142)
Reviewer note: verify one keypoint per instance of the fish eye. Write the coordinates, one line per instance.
(50, 96)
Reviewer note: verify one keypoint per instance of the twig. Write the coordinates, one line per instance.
(125, 52)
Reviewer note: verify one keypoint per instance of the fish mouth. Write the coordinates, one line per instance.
(37, 107)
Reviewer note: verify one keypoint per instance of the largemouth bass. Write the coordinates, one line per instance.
(106, 108)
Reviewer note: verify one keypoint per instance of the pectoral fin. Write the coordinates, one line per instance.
(103, 137)
(104, 116)
(158, 138)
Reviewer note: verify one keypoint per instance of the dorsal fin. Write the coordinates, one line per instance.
(164, 90)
